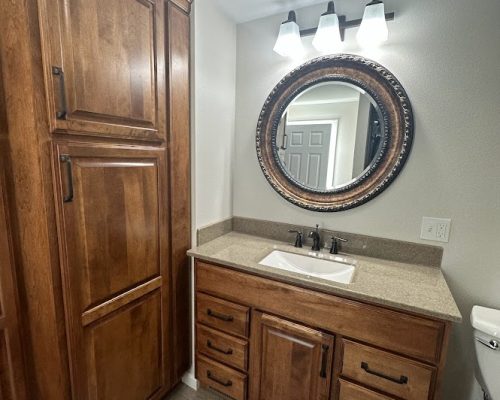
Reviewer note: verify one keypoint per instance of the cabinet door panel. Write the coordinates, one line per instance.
(288, 361)
(115, 268)
(116, 220)
(121, 348)
(109, 78)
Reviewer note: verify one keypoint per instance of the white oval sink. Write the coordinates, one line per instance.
(331, 268)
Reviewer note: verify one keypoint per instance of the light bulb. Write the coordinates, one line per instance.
(289, 43)
(327, 38)
(373, 30)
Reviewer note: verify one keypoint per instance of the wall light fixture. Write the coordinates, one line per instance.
(330, 32)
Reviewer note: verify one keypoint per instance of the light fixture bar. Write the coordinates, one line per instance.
(344, 24)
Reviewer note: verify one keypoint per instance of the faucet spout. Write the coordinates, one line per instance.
(316, 237)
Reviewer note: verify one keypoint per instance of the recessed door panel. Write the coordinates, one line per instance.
(116, 204)
(121, 348)
(104, 68)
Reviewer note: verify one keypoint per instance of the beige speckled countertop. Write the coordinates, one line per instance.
(408, 287)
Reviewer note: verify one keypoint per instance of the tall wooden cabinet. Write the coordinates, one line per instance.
(97, 109)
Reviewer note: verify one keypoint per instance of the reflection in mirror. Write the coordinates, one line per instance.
(329, 135)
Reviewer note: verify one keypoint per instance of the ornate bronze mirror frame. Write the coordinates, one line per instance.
(394, 107)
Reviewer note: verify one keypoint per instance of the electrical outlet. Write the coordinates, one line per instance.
(436, 229)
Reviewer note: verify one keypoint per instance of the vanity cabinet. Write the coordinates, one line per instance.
(304, 344)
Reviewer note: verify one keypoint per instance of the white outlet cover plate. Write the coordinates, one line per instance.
(436, 229)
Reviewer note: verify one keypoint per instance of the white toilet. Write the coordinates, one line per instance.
(486, 324)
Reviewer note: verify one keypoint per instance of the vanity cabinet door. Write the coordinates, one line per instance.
(105, 67)
(113, 222)
(288, 361)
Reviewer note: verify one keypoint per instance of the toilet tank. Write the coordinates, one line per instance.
(486, 324)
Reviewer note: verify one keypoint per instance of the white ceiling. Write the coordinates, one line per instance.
(248, 10)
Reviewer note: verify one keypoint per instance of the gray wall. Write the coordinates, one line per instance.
(447, 55)
(214, 84)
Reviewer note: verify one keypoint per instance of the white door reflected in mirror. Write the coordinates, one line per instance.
(329, 135)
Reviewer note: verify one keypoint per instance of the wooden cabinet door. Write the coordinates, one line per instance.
(288, 361)
(12, 385)
(113, 228)
(105, 67)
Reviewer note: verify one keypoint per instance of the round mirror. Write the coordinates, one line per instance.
(334, 133)
(329, 135)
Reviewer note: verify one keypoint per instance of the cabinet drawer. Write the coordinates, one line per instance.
(221, 378)
(350, 391)
(389, 373)
(224, 315)
(221, 347)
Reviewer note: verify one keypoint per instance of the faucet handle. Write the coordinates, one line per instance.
(298, 237)
(335, 244)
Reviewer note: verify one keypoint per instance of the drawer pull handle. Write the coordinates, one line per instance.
(227, 383)
(324, 360)
(69, 170)
(222, 317)
(402, 380)
(227, 352)
(58, 72)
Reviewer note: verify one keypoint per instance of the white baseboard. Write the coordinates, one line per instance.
(189, 380)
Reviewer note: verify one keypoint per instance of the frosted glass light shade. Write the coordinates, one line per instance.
(373, 30)
(289, 43)
(327, 38)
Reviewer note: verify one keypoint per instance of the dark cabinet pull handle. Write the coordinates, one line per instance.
(222, 317)
(402, 380)
(227, 383)
(69, 168)
(62, 113)
(227, 352)
(324, 360)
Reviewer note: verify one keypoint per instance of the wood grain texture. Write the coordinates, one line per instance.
(399, 332)
(112, 57)
(185, 5)
(179, 113)
(31, 202)
(106, 117)
(223, 379)
(350, 391)
(223, 315)
(114, 253)
(12, 367)
(221, 347)
(420, 377)
(287, 360)
(123, 353)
